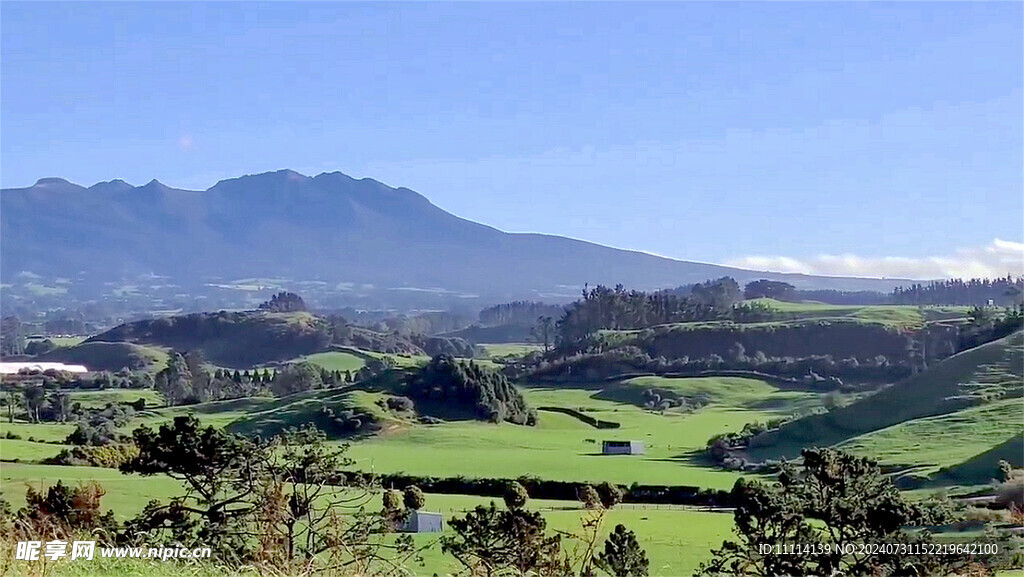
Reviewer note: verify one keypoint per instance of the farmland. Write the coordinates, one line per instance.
(936, 426)
(896, 315)
(676, 538)
(560, 447)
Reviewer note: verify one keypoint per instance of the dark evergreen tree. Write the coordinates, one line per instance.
(488, 393)
(623, 556)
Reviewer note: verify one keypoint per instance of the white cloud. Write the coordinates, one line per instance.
(997, 259)
(185, 142)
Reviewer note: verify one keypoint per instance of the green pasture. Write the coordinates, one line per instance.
(101, 398)
(560, 447)
(126, 495)
(897, 315)
(39, 431)
(335, 361)
(676, 539)
(63, 341)
(961, 383)
(31, 451)
(502, 350)
(564, 448)
(933, 443)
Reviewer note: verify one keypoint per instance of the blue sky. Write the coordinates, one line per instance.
(836, 138)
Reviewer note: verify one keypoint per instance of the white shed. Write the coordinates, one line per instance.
(622, 448)
(422, 522)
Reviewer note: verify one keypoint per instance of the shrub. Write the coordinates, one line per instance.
(515, 496)
(109, 456)
(400, 404)
(413, 498)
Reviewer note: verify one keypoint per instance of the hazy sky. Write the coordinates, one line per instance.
(836, 138)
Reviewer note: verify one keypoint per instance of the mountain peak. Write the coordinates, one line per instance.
(52, 181)
(272, 177)
(116, 185)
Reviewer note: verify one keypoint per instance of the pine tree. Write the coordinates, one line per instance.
(623, 556)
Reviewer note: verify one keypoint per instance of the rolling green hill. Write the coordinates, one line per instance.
(943, 416)
(241, 340)
(906, 316)
(110, 356)
(236, 339)
(984, 465)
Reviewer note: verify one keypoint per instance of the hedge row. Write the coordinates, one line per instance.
(545, 489)
(596, 423)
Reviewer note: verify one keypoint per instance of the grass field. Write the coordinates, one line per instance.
(933, 443)
(676, 539)
(100, 399)
(24, 450)
(335, 361)
(562, 447)
(899, 315)
(959, 383)
(126, 495)
(63, 341)
(559, 447)
(110, 356)
(40, 431)
(501, 350)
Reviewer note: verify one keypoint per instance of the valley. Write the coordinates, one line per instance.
(947, 422)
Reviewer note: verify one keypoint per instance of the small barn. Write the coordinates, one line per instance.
(422, 522)
(622, 448)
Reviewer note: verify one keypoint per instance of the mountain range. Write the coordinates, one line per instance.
(331, 228)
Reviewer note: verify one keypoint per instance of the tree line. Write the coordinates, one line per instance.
(187, 380)
(616, 308)
(976, 291)
(522, 313)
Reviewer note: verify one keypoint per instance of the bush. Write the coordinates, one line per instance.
(589, 497)
(400, 404)
(515, 496)
(611, 495)
(413, 498)
(109, 456)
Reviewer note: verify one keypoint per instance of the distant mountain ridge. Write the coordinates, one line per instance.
(330, 228)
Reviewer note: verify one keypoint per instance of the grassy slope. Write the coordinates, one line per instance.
(99, 399)
(335, 361)
(500, 350)
(236, 340)
(63, 341)
(935, 419)
(101, 356)
(932, 443)
(984, 465)
(900, 315)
